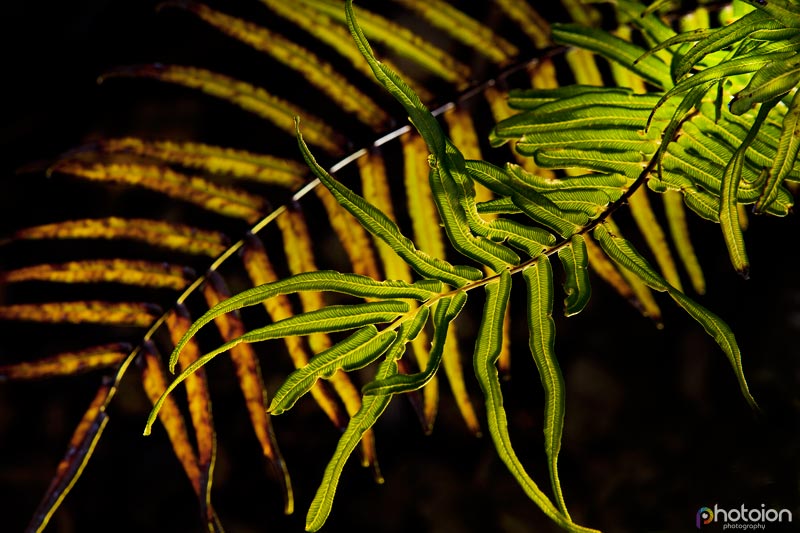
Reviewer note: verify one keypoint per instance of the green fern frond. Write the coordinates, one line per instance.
(583, 152)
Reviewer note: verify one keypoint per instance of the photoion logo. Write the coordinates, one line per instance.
(742, 518)
(704, 516)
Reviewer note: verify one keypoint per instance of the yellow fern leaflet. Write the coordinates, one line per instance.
(125, 271)
(178, 237)
(68, 363)
(84, 312)
(251, 166)
(250, 98)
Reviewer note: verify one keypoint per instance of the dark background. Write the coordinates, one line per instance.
(656, 427)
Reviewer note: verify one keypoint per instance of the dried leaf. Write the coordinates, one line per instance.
(463, 28)
(679, 230)
(421, 207)
(654, 236)
(154, 381)
(80, 449)
(454, 370)
(529, 21)
(337, 37)
(400, 39)
(584, 68)
(178, 323)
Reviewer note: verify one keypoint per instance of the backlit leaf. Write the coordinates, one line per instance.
(445, 311)
(463, 28)
(81, 446)
(319, 73)
(238, 163)
(250, 98)
(224, 200)
(576, 283)
(382, 227)
(248, 373)
(84, 312)
(129, 272)
(178, 237)
(199, 400)
(68, 363)
(358, 350)
(539, 280)
(261, 272)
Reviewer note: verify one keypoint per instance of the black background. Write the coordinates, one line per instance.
(655, 427)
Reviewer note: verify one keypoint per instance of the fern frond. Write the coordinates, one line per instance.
(261, 272)
(584, 152)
